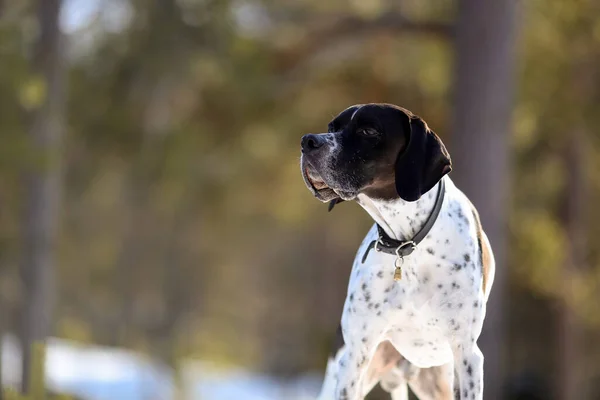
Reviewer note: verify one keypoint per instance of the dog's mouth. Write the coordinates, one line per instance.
(315, 183)
(315, 180)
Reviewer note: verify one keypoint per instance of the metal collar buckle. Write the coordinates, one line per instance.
(404, 245)
(377, 243)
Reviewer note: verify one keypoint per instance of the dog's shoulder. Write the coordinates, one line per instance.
(460, 226)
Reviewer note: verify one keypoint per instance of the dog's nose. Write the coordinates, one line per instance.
(312, 142)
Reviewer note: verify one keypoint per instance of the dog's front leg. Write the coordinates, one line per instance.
(395, 383)
(351, 369)
(435, 383)
(400, 392)
(468, 361)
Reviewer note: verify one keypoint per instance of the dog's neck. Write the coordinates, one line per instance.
(400, 219)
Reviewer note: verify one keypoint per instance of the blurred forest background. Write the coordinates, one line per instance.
(151, 198)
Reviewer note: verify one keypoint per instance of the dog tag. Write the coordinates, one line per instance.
(398, 273)
(398, 270)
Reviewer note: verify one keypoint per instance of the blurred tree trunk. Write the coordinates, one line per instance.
(132, 242)
(1, 346)
(573, 219)
(483, 98)
(42, 183)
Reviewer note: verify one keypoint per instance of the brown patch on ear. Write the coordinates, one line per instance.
(485, 252)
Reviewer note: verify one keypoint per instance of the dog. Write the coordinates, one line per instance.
(422, 275)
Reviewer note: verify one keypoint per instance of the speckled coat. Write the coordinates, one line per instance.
(390, 162)
(434, 314)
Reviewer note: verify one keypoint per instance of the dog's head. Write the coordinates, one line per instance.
(381, 150)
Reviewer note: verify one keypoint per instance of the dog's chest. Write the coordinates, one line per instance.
(408, 312)
(419, 313)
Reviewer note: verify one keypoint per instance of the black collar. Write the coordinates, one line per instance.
(404, 248)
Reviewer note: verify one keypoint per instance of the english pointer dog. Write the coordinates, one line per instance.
(420, 281)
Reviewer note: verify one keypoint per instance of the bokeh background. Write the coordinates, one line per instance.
(155, 231)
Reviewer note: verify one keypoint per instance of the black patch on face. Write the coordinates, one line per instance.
(382, 150)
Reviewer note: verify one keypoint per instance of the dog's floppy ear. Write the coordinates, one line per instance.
(422, 163)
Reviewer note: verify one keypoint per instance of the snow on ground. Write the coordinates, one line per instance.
(103, 373)
(206, 382)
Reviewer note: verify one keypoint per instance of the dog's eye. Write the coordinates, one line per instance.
(368, 132)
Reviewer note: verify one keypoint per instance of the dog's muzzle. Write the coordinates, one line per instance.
(312, 149)
(315, 183)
